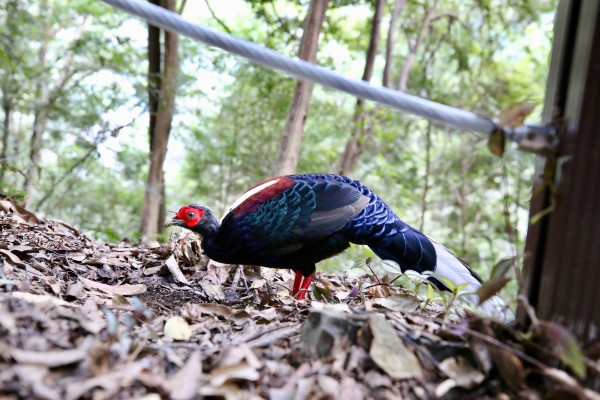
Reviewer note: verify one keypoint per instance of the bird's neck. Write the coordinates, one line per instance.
(208, 228)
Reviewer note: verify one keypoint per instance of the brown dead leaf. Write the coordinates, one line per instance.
(564, 345)
(492, 287)
(111, 382)
(52, 358)
(41, 298)
(185, 383)
(267, 338)
(218, 273)
(569, 382)
(325, 333)
(34, 378)
(173, 267)
(509, 366)
(13, 257)
(351, 390)
(228, 391)
(402, 303)
(20, 248)
(241, 371)
(379, 291)
(329, 386)
(460, 373)
(213, 291)
(21, 214)
(90, 318)
(242, 352)
(76, 290)
(497, 142)
(515, 114)
(8, 320)
(389, 352)
(123, 290)
(177, 328)
(195, 312)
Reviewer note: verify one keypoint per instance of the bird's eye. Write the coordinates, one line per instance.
(191, 215)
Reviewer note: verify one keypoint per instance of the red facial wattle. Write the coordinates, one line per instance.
(191, 216)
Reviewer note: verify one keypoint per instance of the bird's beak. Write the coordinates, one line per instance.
(174, 222)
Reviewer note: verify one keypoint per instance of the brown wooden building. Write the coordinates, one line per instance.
(562, 264)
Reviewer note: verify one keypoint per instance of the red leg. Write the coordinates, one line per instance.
(297, 282)
(305, 284)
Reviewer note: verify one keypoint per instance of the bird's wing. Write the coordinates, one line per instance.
(285, 213)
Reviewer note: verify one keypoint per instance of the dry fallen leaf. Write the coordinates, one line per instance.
(389, 352)
(41, 298)
(185, 383)
(241, 371)
(173, 267)
(52, 358)
(460, 373)
(228, 391)
(110, 382)
(35, 377)
(492, 287)
(402, 303)
(177, 328)
(21, 214)
(213, 291)
(123, 290)
(515, 114)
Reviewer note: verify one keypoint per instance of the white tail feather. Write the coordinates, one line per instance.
(451, 268)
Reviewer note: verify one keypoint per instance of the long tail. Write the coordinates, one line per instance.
(458, 272)
(413, 250)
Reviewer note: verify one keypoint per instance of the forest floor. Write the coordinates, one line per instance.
(86, 319)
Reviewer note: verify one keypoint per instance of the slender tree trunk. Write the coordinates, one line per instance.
(154, 75)
(289, 149)
(154, 85)
(47, 93)
(353, 149)
(427, 178)
(40, 117)
(413, 47)
(391, 39)
(6, 108)
(40, 121)
(154, 194)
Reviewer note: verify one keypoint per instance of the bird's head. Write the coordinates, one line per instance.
(197, 218)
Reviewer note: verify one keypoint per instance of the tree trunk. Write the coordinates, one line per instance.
(154, 85)
(353, 149)
(413, 48)
(154, 194)
(426, 178)
(47, 93)
(6, 108)
(40, 117)
(289, 149)
(154, 75)
(391, 39)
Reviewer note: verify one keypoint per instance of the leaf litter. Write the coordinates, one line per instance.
(82, 319)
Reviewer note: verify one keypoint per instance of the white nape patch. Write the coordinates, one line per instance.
(249, 193)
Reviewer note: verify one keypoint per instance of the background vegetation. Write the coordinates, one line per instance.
(75, 146)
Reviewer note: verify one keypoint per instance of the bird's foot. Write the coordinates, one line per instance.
(301, 284)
